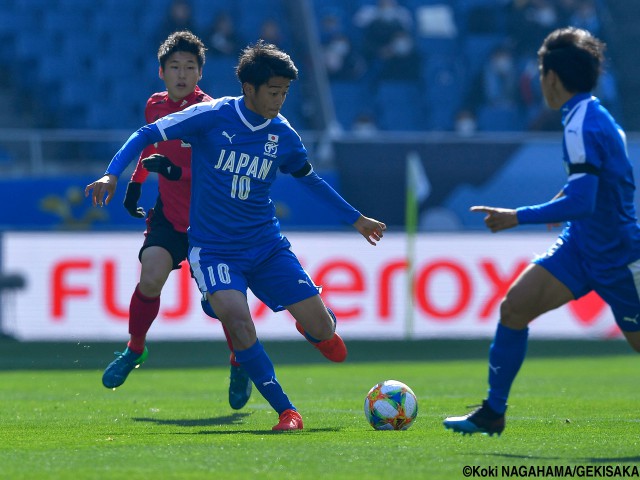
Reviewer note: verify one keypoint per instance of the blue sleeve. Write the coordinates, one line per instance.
(132, 148)
(579, 201)
(323, 191)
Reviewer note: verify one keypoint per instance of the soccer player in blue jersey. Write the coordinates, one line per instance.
(598, 250)
(238, 145)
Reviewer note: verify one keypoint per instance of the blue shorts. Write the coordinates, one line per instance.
(618, 287)
(272, 272)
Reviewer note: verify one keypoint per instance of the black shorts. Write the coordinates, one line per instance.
(160, 233)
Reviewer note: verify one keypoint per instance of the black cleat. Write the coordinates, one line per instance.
(482, 420)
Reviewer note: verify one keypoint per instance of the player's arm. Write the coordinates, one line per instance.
(369, 228)
(577, 200)
(162, 165)
(134, 187)
(106, 185)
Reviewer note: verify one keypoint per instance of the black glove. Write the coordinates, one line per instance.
(131, 198)
(162, 165)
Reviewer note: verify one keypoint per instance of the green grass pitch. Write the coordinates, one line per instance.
(574, 404)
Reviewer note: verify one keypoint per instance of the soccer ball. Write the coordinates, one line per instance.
(391, 405)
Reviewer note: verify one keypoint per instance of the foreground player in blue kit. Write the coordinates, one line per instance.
(598, 250)
(238, 145)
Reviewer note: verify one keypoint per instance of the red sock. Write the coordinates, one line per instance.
(143, 311)
(232, 357)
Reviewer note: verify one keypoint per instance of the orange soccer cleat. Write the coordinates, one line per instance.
(289, 420)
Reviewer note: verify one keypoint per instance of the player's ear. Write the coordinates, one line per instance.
(161, 73)
(248, 89)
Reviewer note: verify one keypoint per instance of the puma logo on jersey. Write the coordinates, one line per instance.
(228, 136)
(631, 319)
(301, 281)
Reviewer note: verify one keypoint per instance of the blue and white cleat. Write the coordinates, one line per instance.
(118, 370)
(239, 387)
(482, 420)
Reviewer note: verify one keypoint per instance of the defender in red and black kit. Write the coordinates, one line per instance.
(181, 57)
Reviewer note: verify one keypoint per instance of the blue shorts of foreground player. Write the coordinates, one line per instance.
(272, 272)
(618, 287)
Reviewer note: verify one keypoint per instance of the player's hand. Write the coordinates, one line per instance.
(371, 229)
(131, 198)
(104, 185)
(497, 218)
(163, 166)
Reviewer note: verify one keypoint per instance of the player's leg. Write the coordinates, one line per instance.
(620, 289)
(163, 250)
(280, 280)
(225, 284)
(633, 339)
(232, 309)
(317, 323)
(239, 381)
(533, 293)
(157, 264)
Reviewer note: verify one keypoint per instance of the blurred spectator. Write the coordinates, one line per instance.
(385, 11)
(270, 32)
(364, 125)
(585, 16)
(222, 38)
(179, 17)
(607, 91)
(530, 92)
(388, 45)
(400, 59)
(465, 123)
(379, 24)
(486, 18)
(341, 59)
(530, 21)
(500, 78)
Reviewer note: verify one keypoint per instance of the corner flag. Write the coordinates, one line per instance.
(418, 189)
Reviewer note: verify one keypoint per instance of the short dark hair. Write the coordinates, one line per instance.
(182, 41)
(575, 55)
(261, 61)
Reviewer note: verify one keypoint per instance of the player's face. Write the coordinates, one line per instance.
(181, 74)
(548, 83)
(268, 99)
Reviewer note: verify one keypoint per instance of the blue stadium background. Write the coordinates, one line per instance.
(77, 74)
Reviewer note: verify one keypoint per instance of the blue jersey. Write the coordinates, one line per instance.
(236, 154)
(598, 198)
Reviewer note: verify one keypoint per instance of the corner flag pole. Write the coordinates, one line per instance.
(418, 189)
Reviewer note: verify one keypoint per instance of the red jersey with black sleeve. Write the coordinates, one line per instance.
(175, 195)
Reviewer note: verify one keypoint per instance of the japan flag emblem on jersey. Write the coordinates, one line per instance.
(271, 147)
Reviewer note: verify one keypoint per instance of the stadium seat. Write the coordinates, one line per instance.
(499, 119)
(219, 78)
(444, 80)
(348, 100)
(398, 105)
(478, 48)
